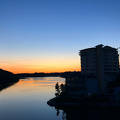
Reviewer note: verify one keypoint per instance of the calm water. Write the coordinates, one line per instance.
(27, 100)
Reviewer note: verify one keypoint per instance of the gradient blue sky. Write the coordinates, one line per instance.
(46, 35)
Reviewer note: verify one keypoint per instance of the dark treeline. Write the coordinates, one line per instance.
(61, 74)
(56, 74)
(7, 79)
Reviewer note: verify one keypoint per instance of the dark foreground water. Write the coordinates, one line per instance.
(27, 100)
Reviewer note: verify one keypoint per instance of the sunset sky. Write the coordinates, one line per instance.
(46, 35)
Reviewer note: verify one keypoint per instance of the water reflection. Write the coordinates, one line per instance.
(27, 99)
(88, 113)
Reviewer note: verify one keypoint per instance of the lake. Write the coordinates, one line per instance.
(27, 100)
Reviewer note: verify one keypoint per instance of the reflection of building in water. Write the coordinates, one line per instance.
(89, 114)
(99, 65)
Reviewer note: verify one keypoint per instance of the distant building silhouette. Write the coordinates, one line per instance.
(101, 57)
(99, 60)
(99, 66)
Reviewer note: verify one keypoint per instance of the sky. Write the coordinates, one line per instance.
(46, 35)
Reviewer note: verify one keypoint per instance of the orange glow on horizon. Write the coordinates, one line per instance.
(47, 66)
(45, 70)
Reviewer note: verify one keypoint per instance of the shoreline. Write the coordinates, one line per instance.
(7, 84)
(65, 103)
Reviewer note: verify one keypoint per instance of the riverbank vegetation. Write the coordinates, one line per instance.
(7, 79)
